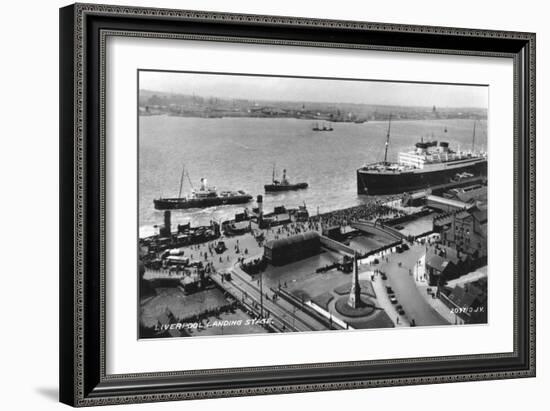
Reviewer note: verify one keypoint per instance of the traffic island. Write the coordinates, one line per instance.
(364, 307)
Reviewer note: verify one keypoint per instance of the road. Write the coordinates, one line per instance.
(281, 310)
(405, 289)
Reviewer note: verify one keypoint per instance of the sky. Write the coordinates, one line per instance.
(227, 86)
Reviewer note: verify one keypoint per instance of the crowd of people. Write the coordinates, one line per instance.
(373, 210)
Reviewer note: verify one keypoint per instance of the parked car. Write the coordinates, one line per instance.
(393, 299)
(389, 290)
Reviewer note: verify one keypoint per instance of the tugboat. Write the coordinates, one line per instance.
(283, 185)
(428, 165)
(203, 197)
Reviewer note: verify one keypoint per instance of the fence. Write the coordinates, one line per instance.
(329, 316)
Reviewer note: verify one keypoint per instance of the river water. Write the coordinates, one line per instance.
(239, 153)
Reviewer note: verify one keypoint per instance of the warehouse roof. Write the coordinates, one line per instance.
(295, 239)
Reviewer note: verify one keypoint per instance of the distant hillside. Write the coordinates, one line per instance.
(154, 102)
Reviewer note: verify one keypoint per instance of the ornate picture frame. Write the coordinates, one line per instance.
(84, 30)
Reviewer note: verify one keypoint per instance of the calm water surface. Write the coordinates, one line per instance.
(239, 153)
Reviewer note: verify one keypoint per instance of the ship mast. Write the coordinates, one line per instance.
(181, 180)
(189, 179)
(273, 174)
(387, 141)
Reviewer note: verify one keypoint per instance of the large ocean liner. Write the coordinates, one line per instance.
(428, 165)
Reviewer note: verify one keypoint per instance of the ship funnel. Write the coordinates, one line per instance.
(260, 201)
(444, 146)
(421, 147)
(203, 184)
(166, 229)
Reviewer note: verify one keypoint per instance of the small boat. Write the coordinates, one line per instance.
(283, 184)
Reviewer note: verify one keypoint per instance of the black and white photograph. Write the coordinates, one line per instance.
(251, 205)
(273, 204)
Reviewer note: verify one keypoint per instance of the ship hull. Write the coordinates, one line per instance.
(286, 187)
(184, 203)
(373, 183)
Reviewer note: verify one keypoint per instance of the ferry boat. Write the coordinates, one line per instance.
(429, 164)
(204, 197)
(283, 184)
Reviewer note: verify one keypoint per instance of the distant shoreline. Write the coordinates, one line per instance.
(313, 120)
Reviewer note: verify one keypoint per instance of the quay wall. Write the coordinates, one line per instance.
(406, 218)
(336, 246)
(378, 230)
(382, 249)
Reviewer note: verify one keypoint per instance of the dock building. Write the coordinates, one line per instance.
(294, 248)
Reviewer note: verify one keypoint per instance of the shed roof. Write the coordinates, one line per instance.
(295, 239)
(437, 262)
(462, 298)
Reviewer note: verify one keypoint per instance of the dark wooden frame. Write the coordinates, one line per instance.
(83, 29)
